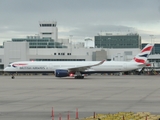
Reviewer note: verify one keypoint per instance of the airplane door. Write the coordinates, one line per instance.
(50, 66)
(124, 66)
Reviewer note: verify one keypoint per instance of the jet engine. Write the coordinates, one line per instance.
(61, 73)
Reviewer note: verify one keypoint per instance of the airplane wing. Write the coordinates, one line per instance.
(83, 68)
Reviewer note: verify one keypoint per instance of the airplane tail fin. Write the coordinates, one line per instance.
(143, 55)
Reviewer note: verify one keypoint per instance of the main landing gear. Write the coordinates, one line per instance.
(78, 75)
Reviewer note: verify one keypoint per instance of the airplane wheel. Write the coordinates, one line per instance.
(79, 77)
(12, 77)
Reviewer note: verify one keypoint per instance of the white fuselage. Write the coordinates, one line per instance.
(41, 66)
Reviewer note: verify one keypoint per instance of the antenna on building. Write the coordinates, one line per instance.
(151, 38)
(70, 40)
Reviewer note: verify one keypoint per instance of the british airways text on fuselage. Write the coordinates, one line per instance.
(26, 68)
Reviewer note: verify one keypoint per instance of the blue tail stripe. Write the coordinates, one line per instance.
(145, 55)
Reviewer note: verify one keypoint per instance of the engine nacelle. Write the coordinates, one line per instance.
(61, 73)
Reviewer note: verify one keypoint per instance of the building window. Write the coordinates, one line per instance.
(54, 53)
(1, 66)
(128, 52)
(59, 54)
(57, 59)
(46, 33)
(87, 53)
(46, 25)
(68, 53)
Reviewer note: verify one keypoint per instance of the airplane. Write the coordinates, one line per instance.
(79, 68)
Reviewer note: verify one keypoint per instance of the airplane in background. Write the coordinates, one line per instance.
(79, 68)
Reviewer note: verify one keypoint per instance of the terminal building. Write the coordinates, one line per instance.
(46, 46)
(38, 42)
(132, 40)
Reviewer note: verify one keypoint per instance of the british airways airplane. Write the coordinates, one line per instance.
(79, 68)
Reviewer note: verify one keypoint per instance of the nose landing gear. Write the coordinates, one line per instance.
(12, 76)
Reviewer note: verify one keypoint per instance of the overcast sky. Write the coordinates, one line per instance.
(80, 18)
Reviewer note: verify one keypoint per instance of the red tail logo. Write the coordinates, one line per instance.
(147, 49)
(139, 60)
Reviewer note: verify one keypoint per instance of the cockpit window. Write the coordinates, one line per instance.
(9, 65)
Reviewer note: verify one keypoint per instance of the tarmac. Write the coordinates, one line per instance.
(32, 97)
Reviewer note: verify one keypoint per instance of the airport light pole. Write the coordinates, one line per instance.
(154, 45)
(151, 38)
(151, 41)
(71, 42)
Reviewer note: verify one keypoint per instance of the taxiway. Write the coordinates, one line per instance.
(32, 97)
